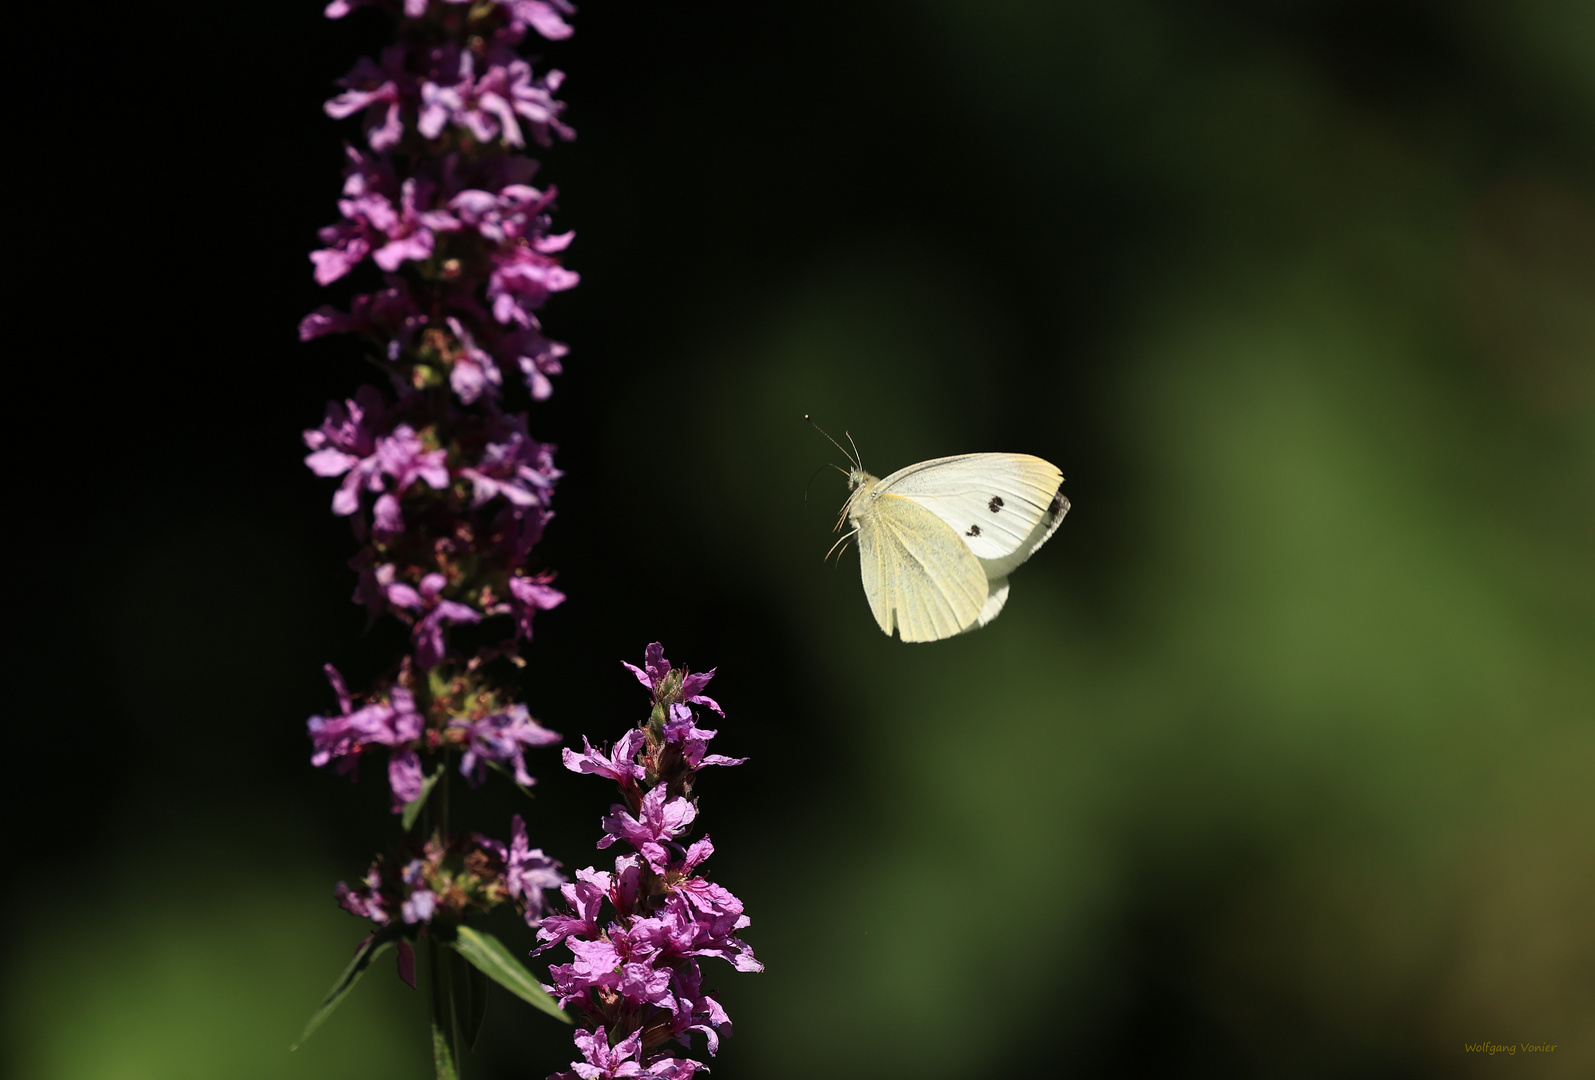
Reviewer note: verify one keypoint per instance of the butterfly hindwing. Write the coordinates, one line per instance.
(996, 597)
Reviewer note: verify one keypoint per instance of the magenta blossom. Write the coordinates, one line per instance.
(618, 767)
(393, 723)
(375, 89)
(528, 872)
(600, 1061)
(445, 879)
(493, 105)
(473, 372)
(514, 467)
(502, 739)
(654, 676)
(367, 902)
(428, 630)
(390, 316)
(529, 595)
(637, 935)
(536, 356)
(657, 822)
(522, 280)
(451, 254)
(585, 898)
(346, 445)
(547, 17)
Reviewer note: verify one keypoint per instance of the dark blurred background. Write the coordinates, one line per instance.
(1278, 762)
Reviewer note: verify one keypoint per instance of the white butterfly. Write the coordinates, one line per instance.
(937, 540)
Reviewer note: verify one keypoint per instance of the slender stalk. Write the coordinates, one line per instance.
(445, 1017)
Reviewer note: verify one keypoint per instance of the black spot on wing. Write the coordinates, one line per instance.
(974, 530)
(1058, 507)
(995, 504)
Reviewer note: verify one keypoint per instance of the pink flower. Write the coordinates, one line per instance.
(521, 282)
(618, 767)
(536, 356)
(376, 89)
(473, 371)
(428, 630)
(501, 738)
(393, 723)
(640, 969)
(658, 821)
(528, 872)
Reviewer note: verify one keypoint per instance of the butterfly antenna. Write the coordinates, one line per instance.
(811, 483)
(853, 457)
(817, 472)
(858, 458)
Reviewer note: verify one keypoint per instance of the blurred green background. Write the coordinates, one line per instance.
(1278, 762)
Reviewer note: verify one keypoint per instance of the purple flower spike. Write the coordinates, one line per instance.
(453, 253)
(638, 970)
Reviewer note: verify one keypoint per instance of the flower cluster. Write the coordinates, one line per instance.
(449, 252)
(441, 878)
(634, 974)
(446, 489)
(437, 193)
(461, 714)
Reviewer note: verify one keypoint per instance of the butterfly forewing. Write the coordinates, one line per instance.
(918, 574)
(994, 502)
(1002, 567)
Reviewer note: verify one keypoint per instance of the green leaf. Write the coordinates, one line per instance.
(412, 809)
(497, 963)
(369, 950)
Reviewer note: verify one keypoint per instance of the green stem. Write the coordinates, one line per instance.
(441, 798)
(445, 1016)
(446, 1020)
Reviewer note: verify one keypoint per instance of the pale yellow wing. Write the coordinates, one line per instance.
(920, 578)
